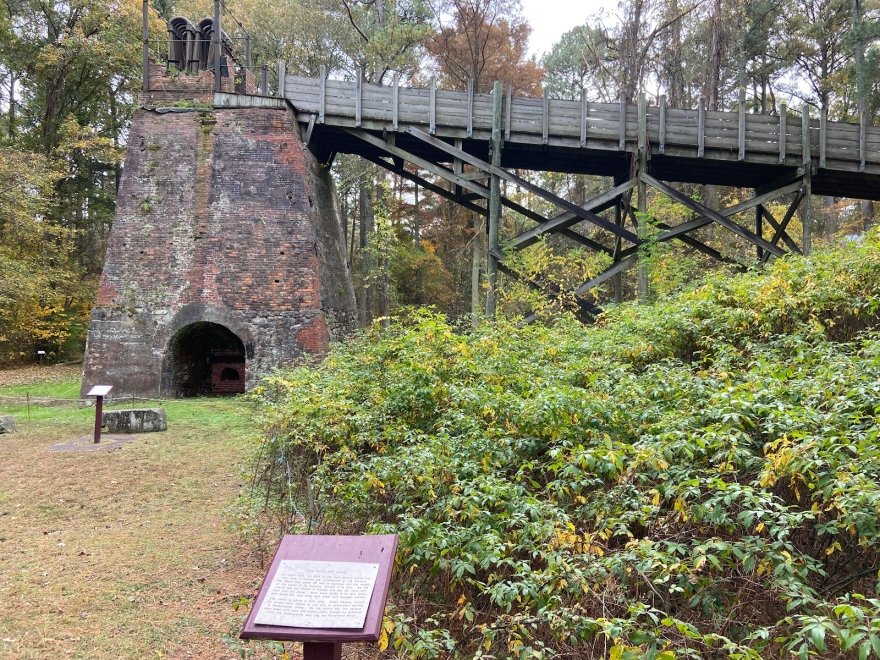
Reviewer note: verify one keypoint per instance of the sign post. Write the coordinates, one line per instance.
(324, 591)
(99, 392)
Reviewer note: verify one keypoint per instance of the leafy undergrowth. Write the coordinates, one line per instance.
(694, 478)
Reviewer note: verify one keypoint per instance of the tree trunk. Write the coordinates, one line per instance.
(11, 124)
(712, 91)
(417, 220)
(365, 299)
(476, 267)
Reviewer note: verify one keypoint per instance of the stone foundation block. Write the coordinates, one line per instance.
(7, 424)
(139, 420)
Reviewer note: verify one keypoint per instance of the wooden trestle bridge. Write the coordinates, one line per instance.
(474, 141)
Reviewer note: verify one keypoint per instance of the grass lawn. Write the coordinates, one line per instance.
(125, 553)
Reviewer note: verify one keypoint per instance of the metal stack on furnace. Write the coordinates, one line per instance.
(191, 48)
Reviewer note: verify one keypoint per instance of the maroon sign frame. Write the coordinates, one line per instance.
(378, 549)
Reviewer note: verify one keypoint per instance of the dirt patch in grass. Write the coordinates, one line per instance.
(40, 374)
(127, 553)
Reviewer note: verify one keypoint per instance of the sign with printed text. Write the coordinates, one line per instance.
(324, 589)
(319, 594)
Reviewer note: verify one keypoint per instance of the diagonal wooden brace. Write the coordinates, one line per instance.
(598, 204)
(713, 216)
(586, 310)
(427, 185)
(463, 182)
(525, 185)
(789, 214)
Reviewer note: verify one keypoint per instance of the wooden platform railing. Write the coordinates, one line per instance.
(784, 139)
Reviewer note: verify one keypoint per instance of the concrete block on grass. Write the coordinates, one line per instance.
(137, 420)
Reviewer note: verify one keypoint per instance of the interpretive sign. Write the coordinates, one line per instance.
(319, 594)
(99, 392)
(328, 589)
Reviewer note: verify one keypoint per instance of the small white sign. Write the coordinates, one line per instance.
(319, 594)
(100, 390)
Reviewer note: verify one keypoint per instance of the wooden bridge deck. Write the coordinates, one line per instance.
(695, 146)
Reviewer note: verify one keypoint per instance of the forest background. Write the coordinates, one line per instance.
(70, 75)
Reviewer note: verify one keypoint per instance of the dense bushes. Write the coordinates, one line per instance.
(695, 478)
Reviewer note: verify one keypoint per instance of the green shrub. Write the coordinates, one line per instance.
(695, 478)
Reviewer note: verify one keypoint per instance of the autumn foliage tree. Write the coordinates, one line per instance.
(69, 74)
(485, 41)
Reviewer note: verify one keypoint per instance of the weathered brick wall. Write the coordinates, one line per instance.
(222, 216)
(179, 88)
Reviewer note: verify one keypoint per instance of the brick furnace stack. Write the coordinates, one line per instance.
(226, 258)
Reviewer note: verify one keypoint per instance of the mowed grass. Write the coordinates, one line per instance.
(125, 553)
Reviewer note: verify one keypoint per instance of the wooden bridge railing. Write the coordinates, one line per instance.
(784, 139)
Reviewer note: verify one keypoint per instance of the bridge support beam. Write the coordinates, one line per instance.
(483, 182)
(494, 203)
(627, 258)
(641, 216)
(807, 161)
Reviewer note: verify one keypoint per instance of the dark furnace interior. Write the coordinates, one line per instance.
(207, 360)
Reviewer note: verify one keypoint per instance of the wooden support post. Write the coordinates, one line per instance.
(470, 108)
(643, 123)
(823, 136)
(432, 107)
(322, 651)
(264, 80)
(806, 155)
(99, 421)
(545, 118)
(395, 100)
(310, 127)
(457, 167)
(494, 202)
(806, 220)
(218, 47)
(642, 228)
(248, 53)
(644, 278)
(282, 75)
(783, 119)
(759, 228)
(617, 279)
(741, 141)
(322, 101)
(863, 130)
(584, 109)
(146, 39)
(508, 104)
(701, 128)
(358, 97)
(662, 136)
(622, 121)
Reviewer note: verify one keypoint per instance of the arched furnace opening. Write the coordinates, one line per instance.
(206, 359)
